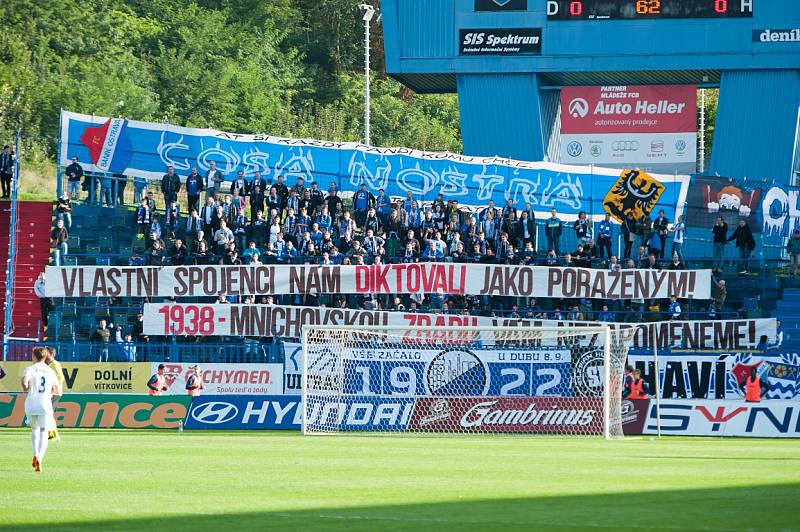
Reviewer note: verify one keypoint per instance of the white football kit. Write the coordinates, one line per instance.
(39, 403)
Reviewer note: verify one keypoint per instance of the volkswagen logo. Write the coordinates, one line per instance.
(680, 145)
(578, 108)
(625, 145)
(574, 148)
(214, 413)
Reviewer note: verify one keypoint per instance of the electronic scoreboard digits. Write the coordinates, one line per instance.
(647, 9)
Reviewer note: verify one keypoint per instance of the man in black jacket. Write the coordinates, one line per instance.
(6, 168)
(170, 185)
(74, 174)
(744, 242)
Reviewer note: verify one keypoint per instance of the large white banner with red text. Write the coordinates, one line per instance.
(629, 126)
(287, 322)
(421, 278)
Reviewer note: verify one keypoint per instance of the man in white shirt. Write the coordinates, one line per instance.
(40, 382)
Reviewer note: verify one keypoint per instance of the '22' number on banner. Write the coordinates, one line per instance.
(408, 379)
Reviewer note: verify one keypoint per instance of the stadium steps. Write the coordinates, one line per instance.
(788, 311)
(32, 255)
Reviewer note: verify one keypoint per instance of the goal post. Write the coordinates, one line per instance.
(509, 380)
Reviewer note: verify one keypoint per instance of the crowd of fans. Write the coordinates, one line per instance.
(257, 221)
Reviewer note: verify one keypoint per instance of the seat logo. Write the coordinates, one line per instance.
(214, 413)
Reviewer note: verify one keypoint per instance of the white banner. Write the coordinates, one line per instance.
(629, 125)
(767, 419)
(719, 375)
(222, 379)
(422, 278)
(164, 319)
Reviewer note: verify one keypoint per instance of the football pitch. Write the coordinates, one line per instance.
(147, 480)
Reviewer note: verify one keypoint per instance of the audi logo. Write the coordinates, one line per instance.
(625, 145)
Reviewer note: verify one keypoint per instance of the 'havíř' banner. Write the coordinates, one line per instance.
(423, 278)
(287, 322)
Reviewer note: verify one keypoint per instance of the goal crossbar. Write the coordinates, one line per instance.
(346, 346)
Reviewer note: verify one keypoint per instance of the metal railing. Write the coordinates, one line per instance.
(8, 326)
(177, 350)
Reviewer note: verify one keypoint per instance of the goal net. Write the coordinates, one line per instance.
(533, 380)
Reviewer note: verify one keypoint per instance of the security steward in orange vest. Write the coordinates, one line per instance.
(157, 383)
(194, 384)
(635, 386)
(754, 387)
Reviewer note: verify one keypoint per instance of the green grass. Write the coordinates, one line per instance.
(129, 480)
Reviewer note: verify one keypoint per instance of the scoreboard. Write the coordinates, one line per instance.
(647, 9)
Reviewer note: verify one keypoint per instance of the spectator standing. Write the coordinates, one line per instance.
(102, 336)
(383, 206)
(127, 346)
(363, 201)
(644, 227)
(661, 228)
(144, 217)
(628, 234)
(172, 218)
(121, 183)
(139, 189)
(720, 234)
(553, 231)
(46, 304)
(74, 174)
(6, 169)
(64, 209)
(720, 294)
(605, 230)
(259, 181)
(316, 199)
(106, 192)
(213, 180)
(58, 241)
(674, 308)
(527, 229)
(240, 185)
(170, 185)
(194, 187)
(281, 188)
(745, 243)
(679, 228)
(583, 229)
(793, 250)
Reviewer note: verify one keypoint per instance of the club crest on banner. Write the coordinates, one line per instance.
(635, 192)
(781, 372)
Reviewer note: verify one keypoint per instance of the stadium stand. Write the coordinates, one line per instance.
(108, 235)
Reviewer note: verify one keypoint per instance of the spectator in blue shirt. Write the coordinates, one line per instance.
(194, 186)
(362, 201)
(432, 253)
(605, 315)
(674, 308)
(605, 231)
(553, 231)
(383, 206)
